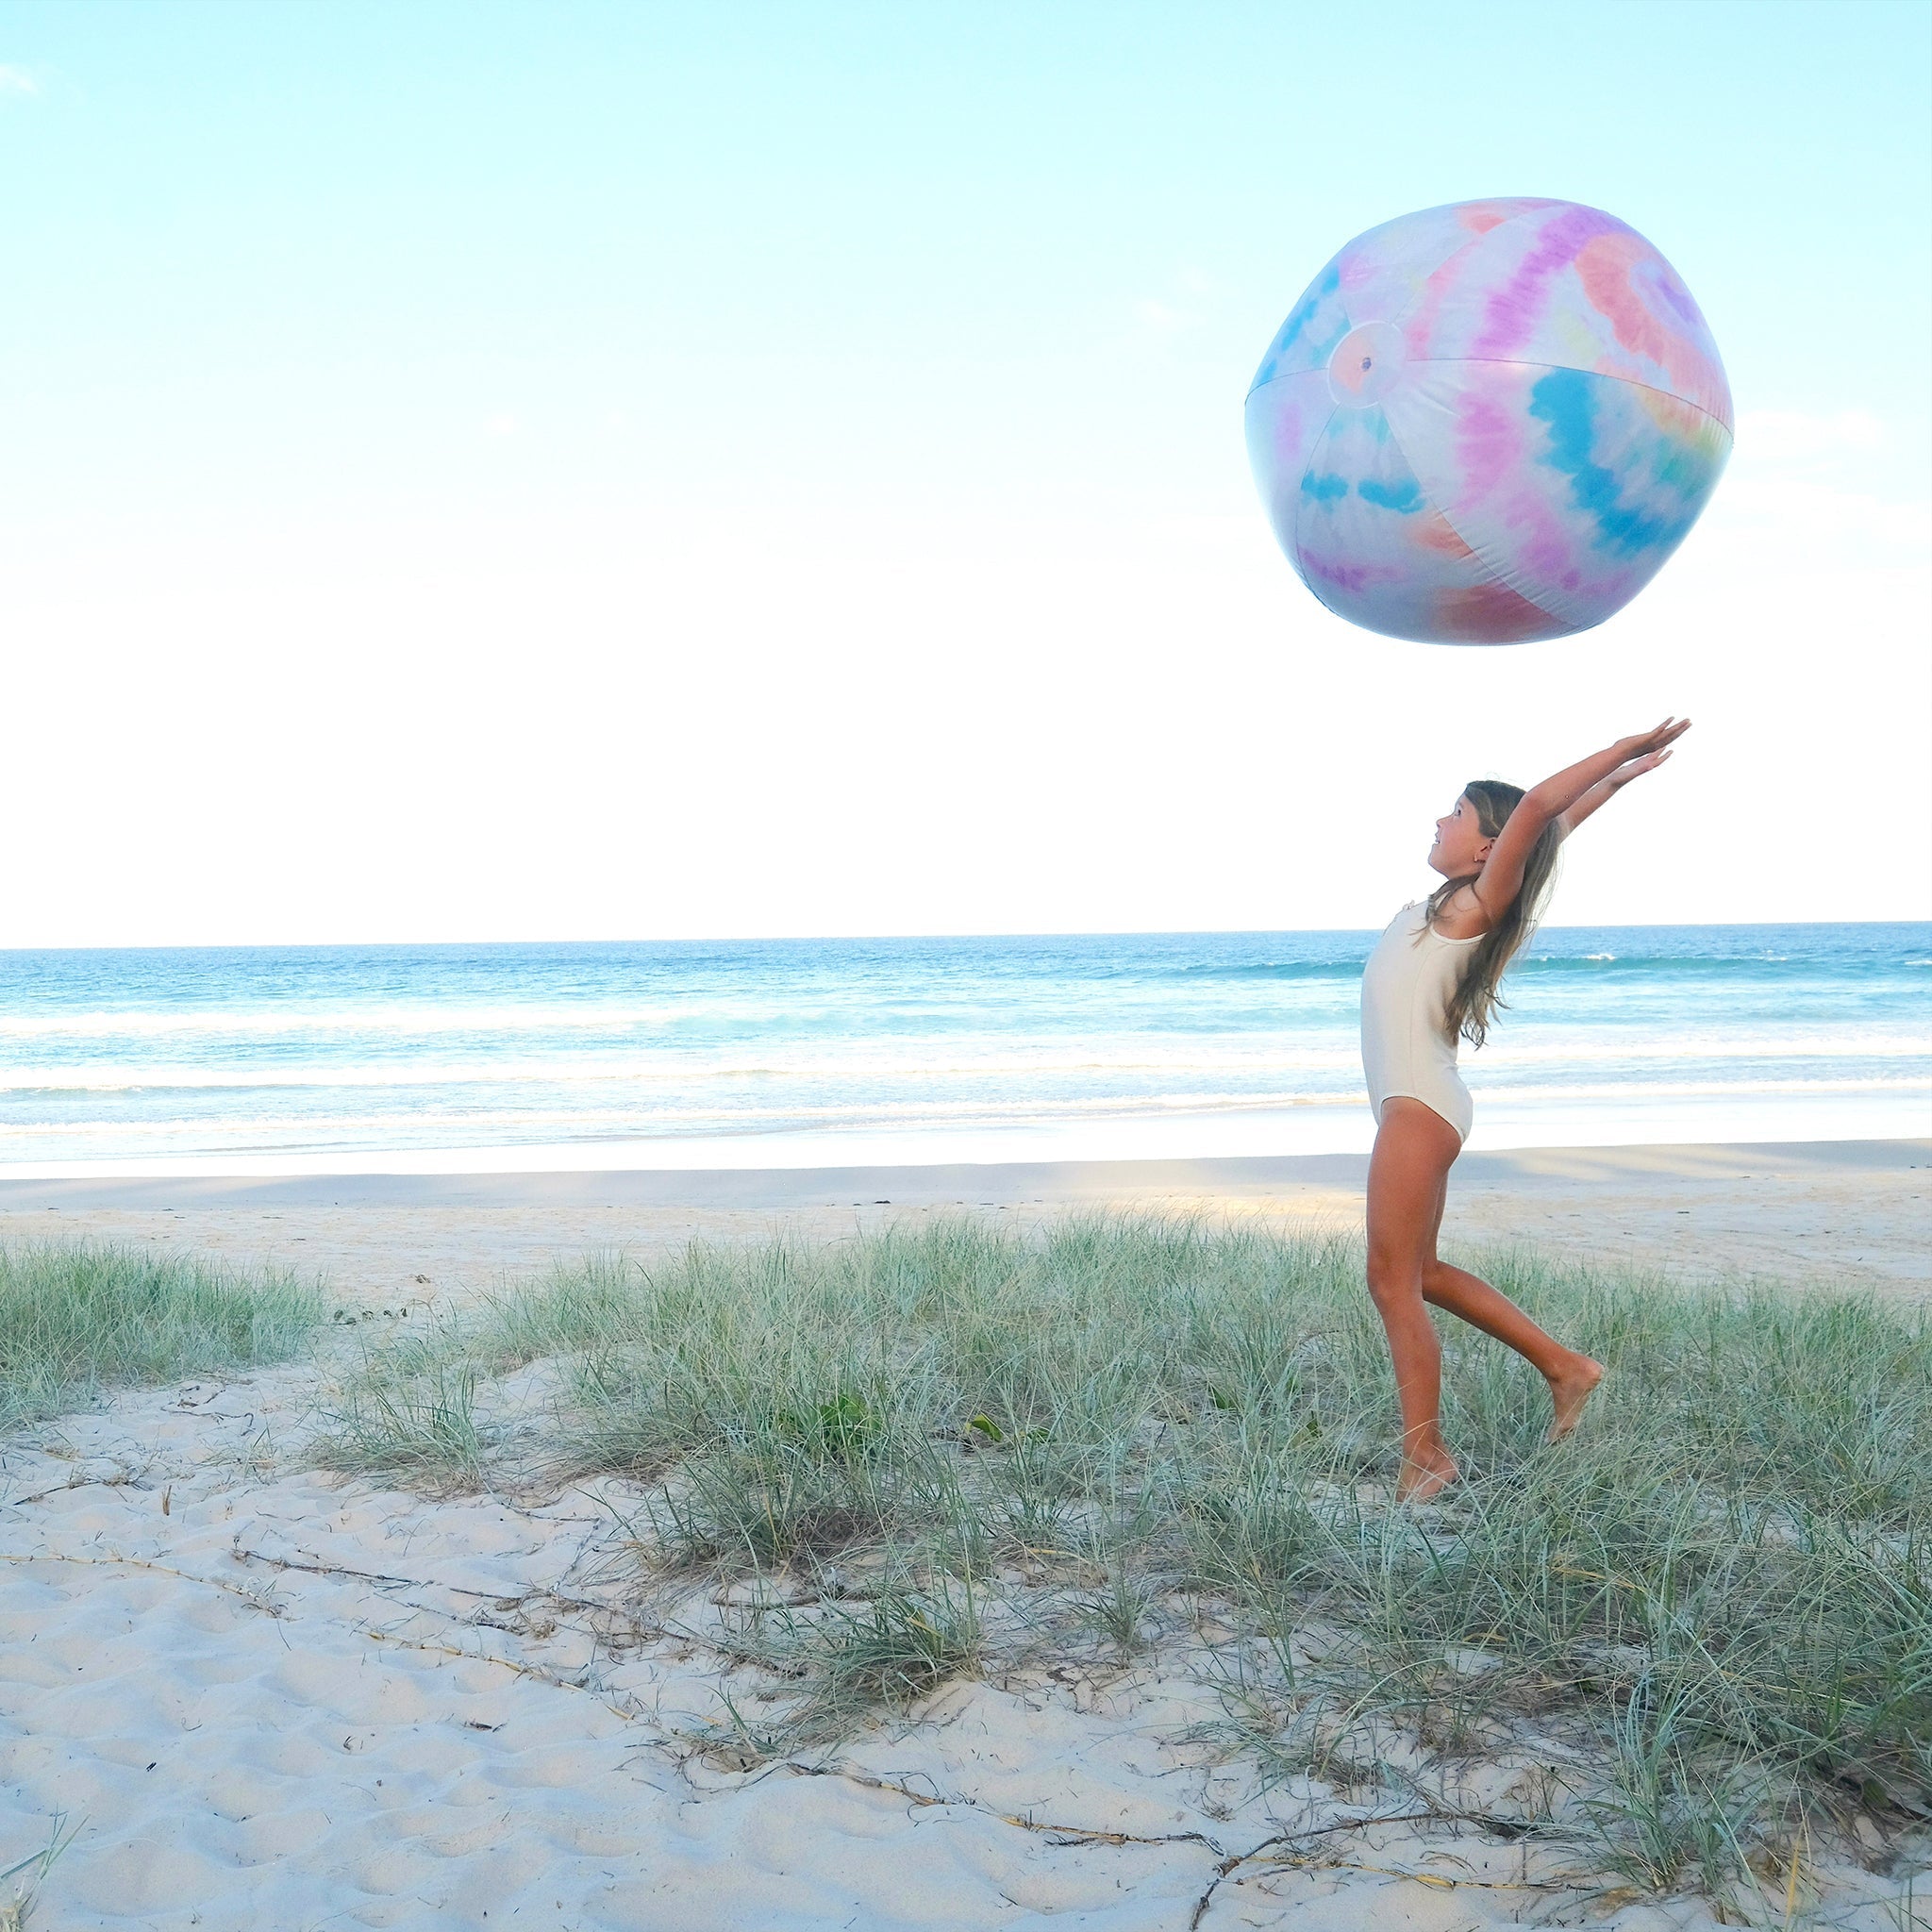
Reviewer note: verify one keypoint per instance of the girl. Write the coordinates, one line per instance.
(1431, 981)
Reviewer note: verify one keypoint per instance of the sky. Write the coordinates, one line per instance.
(570, 471)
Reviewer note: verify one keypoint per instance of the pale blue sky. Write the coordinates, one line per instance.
(431, 436)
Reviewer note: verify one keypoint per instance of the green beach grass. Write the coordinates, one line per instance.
(77, 1319)
(950, 1447)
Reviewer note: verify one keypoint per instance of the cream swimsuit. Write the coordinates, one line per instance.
(1406, 1046)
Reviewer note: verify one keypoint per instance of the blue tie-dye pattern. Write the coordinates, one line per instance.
(1563, 399)
(1291, 329)
(1403, 495)
(1324, 488)
(1688, 468)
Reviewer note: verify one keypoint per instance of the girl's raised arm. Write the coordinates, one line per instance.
(1570, 796)
(1604, 790)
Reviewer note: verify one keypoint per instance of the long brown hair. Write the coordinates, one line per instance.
(1476, 997)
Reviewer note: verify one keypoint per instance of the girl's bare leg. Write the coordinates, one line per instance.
(1407, 1172)
(1408, 1182)
(1571, 1376)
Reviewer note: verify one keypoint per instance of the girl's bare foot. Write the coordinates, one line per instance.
(1570, 1391)
(1420, 1482)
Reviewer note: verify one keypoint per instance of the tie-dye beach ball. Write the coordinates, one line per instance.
(1489, 423)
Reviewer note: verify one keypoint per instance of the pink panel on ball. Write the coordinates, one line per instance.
(1382, 272)
(1284, 423)
(1572, 288)
(1573, 489)
(1371, 542)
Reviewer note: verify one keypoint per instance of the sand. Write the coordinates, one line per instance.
(1857, 1211)
(275, 1698)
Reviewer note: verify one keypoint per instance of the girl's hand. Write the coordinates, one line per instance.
(1637, 767)
(1660, 744)
(1646, 742)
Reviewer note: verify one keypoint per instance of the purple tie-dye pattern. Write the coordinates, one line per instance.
(1518, 305)
(1676, 297)
(1467, 505)
(1543, 545)
(1353, 272)
(1488, 442)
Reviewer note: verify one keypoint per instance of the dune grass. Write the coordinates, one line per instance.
(78, 1319)
(1719, 1593)
(410, 1414)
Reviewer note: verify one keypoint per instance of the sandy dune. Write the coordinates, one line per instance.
(272, 1698)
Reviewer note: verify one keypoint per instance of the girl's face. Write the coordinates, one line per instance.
(1462, 844)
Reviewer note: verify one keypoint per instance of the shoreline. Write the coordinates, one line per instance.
(734, 1185)
(1849, 1211)
(1507, 1121)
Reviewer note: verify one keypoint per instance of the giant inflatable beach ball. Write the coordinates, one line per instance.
(1489, 423)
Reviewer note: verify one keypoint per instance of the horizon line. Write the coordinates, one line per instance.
(937, 936)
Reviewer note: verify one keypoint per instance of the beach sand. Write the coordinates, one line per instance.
(275, 1698)
(1855, 1211)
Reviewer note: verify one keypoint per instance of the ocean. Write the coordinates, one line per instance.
(830, 1052)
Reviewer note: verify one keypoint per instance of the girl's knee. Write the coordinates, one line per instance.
(1392, 1279)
